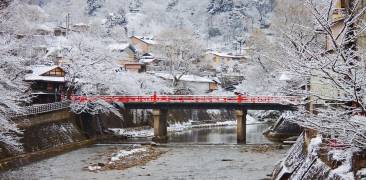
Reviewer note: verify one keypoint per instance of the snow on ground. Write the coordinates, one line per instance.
(133, 133)
(124, 153)
(345, 156)
(120, 155)
(314, 145)
(177, 127)
(306, 165)
(361, 173)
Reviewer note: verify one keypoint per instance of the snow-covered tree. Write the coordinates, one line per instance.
(335, 73)
(13, 90)
(181, 50)
(93, 6)
(21, 18)
(134, 5)
(93, 71)
(219, 6)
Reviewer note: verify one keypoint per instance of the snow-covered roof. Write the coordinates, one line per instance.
(118, 46)
(38, 71)
(147, 60)
(80, 24)
(190, 78)
(54, 50)
(227, 55)
(44, 27)
(285, 76)
(148, 40)
(216, 79)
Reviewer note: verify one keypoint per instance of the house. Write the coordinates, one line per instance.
(59, 31)
(338, 17)
(135, 67)
(127, 57)
(57, 53)
(196, 84)
(43, 30)
(217, 58)
(37, 51)
(48, 83)
(127, 52)
(152, 63)
(143, 44)
(80, 27)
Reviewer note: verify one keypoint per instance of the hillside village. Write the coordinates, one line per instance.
(76, 73)
(135, 56)
(208, 69)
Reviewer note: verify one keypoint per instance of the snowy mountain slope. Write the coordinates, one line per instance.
(219, 22)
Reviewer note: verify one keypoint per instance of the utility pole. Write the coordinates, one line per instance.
(67, 24)
(241, 42)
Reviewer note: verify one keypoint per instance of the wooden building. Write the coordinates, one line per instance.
(48, 83)
(143, 44)
(127, 53)
(135, 67)
(80, 27)
(217, 58)
(338, 17)
(59, 31)
(197, 84)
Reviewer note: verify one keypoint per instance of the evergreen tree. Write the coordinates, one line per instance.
(93, 6)
(219, 6)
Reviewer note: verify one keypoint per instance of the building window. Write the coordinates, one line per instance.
(341, 4)
(56, 72)
(50, 87)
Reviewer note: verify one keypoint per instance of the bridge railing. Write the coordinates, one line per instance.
(191, 99)
(40, 108)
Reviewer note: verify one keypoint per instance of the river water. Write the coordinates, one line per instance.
(220, 135)
(186, 158)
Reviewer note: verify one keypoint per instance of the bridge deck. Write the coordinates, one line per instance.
(198, 102)
(174, 105)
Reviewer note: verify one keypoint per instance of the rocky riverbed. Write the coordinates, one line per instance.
(166, 162)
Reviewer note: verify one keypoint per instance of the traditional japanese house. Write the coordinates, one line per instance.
(196, 84)
(143, 44)
(48, 83)
(127, 53)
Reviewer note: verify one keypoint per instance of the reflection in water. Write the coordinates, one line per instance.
(213, 135)
(220, 135)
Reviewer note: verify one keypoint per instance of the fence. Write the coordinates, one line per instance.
(40, 108)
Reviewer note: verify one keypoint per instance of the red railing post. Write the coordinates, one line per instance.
(154, 97)
(239, 98)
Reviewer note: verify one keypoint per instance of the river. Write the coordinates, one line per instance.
(219, 135)
(191, 154)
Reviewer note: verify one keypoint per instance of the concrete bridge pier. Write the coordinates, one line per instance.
(241, 127)
(160, 125)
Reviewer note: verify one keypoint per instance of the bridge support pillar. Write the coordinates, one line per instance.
(160, 126)
(241, 127)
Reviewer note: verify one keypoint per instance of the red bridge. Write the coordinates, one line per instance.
(198, 102)
(161, 103)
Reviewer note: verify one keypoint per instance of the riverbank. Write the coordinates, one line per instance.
(179, 162)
